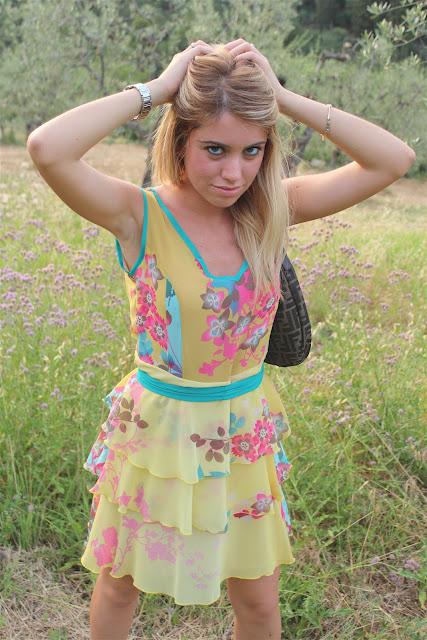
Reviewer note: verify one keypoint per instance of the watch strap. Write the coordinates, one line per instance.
(145, 94)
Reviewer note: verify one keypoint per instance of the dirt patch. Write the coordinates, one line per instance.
(125, 161)
(35, 604)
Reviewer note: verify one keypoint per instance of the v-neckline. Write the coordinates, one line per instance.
(192, 247)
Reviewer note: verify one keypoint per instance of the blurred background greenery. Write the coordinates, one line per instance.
(366, 58)
(356, 405)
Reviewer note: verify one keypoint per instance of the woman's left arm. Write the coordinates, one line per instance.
(372, 147)
(380, 158)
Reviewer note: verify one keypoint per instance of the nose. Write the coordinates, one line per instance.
(232, 170)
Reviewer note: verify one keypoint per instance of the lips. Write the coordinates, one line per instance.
(227, 190)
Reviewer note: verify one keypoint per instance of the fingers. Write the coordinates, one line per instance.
(199, 44)
(240, 45)
(196, 49)
(234, 43)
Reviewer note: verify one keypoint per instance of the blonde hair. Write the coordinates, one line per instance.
(213, 85)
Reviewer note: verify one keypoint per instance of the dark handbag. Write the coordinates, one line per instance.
(290, 338)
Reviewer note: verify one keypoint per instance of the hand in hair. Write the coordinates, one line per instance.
(174, 73)
(243, 50)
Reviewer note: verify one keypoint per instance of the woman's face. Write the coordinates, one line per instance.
(225, 153)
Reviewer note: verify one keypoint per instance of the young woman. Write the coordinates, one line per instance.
(190, 461)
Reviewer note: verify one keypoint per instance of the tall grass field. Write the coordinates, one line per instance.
(356, 408)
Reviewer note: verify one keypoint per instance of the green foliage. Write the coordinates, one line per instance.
(394, 99)
(355, 407)
(383, 44)
(318, 40)
(67, 53)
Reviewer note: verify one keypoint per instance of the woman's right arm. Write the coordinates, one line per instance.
(57, 147)
(70, 135)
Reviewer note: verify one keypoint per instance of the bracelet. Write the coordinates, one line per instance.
(328, 122)
(146, 103)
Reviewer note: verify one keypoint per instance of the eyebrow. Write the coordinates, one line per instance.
(227, 146)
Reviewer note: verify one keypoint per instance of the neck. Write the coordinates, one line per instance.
(190, 202)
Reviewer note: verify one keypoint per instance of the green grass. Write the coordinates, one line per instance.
(356, 407)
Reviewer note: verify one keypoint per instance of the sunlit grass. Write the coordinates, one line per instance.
(356, 406)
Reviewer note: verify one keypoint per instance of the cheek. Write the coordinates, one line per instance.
(254, 167)
(199, 164)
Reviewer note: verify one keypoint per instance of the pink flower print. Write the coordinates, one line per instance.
(131, 523)
(158, 329)
(253, 340)
(245, 292)
(263, 503)
(146, 297)
(145, 305)
(124, 499)
(212, 299)
(140, 322)
(264, 431)
(245, 446)
(282, 471)
(242, 324)
(152, 270)
(141, 503)
(230, 349)
(104, 553)
(158, 550)
(258, 509)
(218, 325)
(136, 390)
(209, 367)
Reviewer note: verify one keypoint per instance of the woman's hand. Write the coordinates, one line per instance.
(243, 50)
(168, 82)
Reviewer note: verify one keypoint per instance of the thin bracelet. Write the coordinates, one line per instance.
(328, 122)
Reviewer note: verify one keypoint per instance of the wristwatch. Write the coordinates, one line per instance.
(145, 94)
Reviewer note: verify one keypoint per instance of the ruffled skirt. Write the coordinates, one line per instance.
(189, 493)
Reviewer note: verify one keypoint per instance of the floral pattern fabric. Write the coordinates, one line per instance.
(190, 493)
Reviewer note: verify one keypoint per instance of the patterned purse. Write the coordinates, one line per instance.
(290, 338)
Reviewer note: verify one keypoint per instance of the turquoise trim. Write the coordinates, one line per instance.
(201, 394)
(143, 242)
(219, 280)
(174, 353)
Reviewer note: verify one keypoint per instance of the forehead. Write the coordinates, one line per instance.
(230, 130)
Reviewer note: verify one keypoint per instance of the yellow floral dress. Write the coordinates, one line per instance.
(190, 461)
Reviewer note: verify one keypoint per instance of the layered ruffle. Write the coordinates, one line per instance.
(188, 494)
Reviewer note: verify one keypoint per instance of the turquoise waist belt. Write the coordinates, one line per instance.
(201, 394)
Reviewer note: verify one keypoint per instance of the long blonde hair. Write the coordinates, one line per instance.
(213, 85)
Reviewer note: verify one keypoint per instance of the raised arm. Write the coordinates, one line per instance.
(380, 158)
(57, 148)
